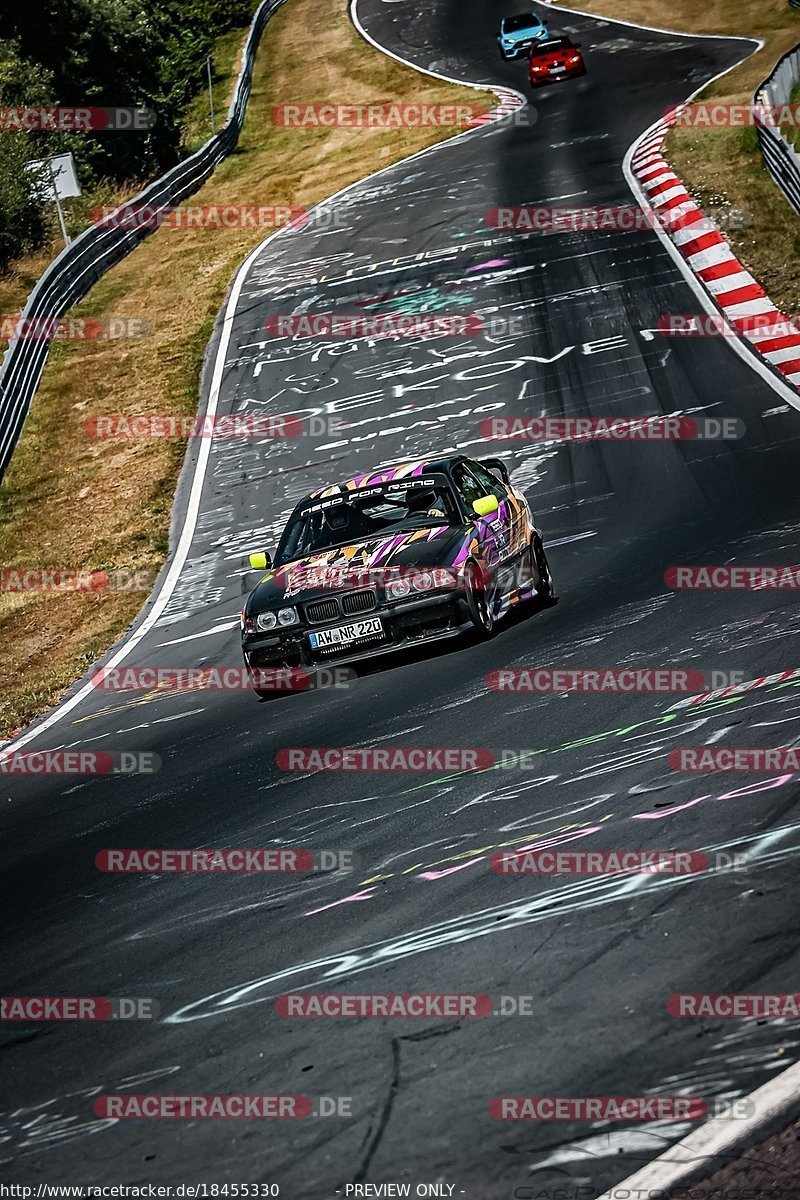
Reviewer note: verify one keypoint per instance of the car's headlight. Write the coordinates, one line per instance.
(398, 589)
(265, 621)
(287, 616)
(420, 581)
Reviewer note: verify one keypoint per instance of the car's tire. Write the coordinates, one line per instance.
(480, 615)
(545, 590)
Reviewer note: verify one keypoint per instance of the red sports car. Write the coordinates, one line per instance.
(557, 58)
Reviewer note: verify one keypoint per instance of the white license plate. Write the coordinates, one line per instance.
(557, 70)
(342, 635)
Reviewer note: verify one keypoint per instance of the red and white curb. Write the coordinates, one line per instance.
(509, 103)
(737, 689)
(716, 1144)
(734, 291)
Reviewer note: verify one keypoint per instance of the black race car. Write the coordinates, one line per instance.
(407, 554)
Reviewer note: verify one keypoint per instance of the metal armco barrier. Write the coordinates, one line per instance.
(782, 160)
(70, 276)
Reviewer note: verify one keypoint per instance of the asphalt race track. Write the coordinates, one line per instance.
(422, 911)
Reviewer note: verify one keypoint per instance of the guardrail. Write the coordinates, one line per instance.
(782, 160)
(70, 276)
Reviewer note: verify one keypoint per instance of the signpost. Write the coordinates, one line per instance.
(55, 180)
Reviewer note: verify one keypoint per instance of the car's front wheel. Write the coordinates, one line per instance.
(477, 601)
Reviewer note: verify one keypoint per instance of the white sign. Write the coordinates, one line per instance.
(55, 177)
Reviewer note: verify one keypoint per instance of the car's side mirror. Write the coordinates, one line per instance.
(485, 506)
(260, 561)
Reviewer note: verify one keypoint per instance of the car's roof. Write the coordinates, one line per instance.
(532, 17)
(394, 471)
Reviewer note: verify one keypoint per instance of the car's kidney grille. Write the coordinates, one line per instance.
(322, 610)
(359, 602)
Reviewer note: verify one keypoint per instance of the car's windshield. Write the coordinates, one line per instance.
(524, 21)
(366, 513)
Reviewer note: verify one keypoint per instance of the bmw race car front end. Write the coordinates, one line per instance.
(391, 560)
(326, 625)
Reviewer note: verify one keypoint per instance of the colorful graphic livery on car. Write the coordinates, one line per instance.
(404, 555)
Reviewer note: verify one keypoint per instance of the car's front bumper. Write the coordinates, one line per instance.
(405, 624)
(541, 78)
(518, 50)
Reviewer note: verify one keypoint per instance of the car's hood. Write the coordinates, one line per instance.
(517, 35)
(553, 58)
(338, 569)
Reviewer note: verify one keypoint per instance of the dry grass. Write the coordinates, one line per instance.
(723, 167)
(75, 502)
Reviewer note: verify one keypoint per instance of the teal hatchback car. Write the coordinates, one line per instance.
(517, 34)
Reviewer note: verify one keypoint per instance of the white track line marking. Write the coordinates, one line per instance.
(703, 1150)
